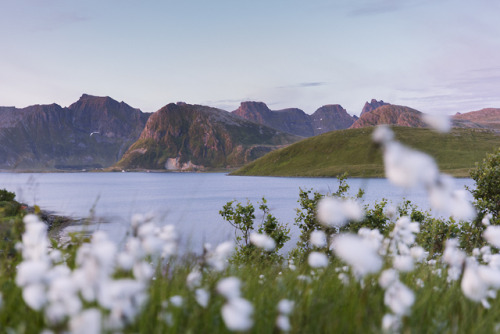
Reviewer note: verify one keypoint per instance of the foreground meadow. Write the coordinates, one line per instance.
(355, 269)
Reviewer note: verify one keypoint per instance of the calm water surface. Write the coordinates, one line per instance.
(191, 201)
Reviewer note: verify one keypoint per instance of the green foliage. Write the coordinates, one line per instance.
(242, 217)
(6, 195)
(352, 151)
(487, 191)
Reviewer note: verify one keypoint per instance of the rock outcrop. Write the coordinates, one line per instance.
(372, 105)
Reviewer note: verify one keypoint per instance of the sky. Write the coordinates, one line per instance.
(437, 56)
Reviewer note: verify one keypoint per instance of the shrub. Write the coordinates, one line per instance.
(6, 195)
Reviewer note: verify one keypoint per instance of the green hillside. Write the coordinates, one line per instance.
(352, 151)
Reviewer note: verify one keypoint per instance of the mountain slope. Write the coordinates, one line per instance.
(392, 115)
(352, 151)
(330, 117)
(93, 132)
(488, 117)
(182, 136)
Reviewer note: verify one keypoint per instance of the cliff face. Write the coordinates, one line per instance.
(182, 136)
(296, 121)
(372, 105)
(392, 115)
(93, 132)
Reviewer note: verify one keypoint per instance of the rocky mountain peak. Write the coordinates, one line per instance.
(372, 105)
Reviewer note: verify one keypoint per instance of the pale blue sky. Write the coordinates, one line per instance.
(439, 56)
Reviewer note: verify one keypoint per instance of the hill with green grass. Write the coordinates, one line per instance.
(353, 151)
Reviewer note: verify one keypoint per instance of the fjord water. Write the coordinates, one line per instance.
(190, 201)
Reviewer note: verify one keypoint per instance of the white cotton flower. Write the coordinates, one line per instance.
(285, 306)
(143, 271)
(229, 287)
(472, 285)
(283, 323)
(237, 314)
(31, 272)
(452, 255)
(177, 300)
(388, 277)
(403, 263)
(382, 134)
(35, 296)
(489, 275)
(399, 298)
(202, 297)
(193, 279)
(486, 219)
(262, 241)
(125, 261)
(217, 259)
(492, 235)
(417, 253)
(371, 237)
(318, 239)
(408, 168)
(448, 201)
(333, 211)
(358, 253)
(439, 123)
(391, 323)
(87, 322)
(317, 260)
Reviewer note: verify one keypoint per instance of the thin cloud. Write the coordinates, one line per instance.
(305, 85)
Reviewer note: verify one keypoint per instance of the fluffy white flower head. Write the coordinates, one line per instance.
(358, 253)
(262, 241)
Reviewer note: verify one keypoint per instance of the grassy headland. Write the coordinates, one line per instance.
(353, 151)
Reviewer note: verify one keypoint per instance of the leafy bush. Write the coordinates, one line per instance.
(6, 195)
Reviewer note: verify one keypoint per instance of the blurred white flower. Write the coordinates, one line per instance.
(217, 259)
(486, 219)
(399, 298)
(177, 300)
(193, 279)
(283, 323)
(391, 323)
(388, 277)
(229, 287)
(333, 211)
(262, 241)
(408, 168)
(317, 260)
(34, 296)
(403, 263)
(202, 297)
(87, 322)
(439, 123)
(472, 285)
(358, 253)
(418, 253)
(492, 235)
(285, 306)
(318, 239)
(382, 134)
(237, 314)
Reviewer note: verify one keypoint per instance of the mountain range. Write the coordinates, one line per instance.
(99, 132)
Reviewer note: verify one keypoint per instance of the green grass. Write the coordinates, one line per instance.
(353, 151)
